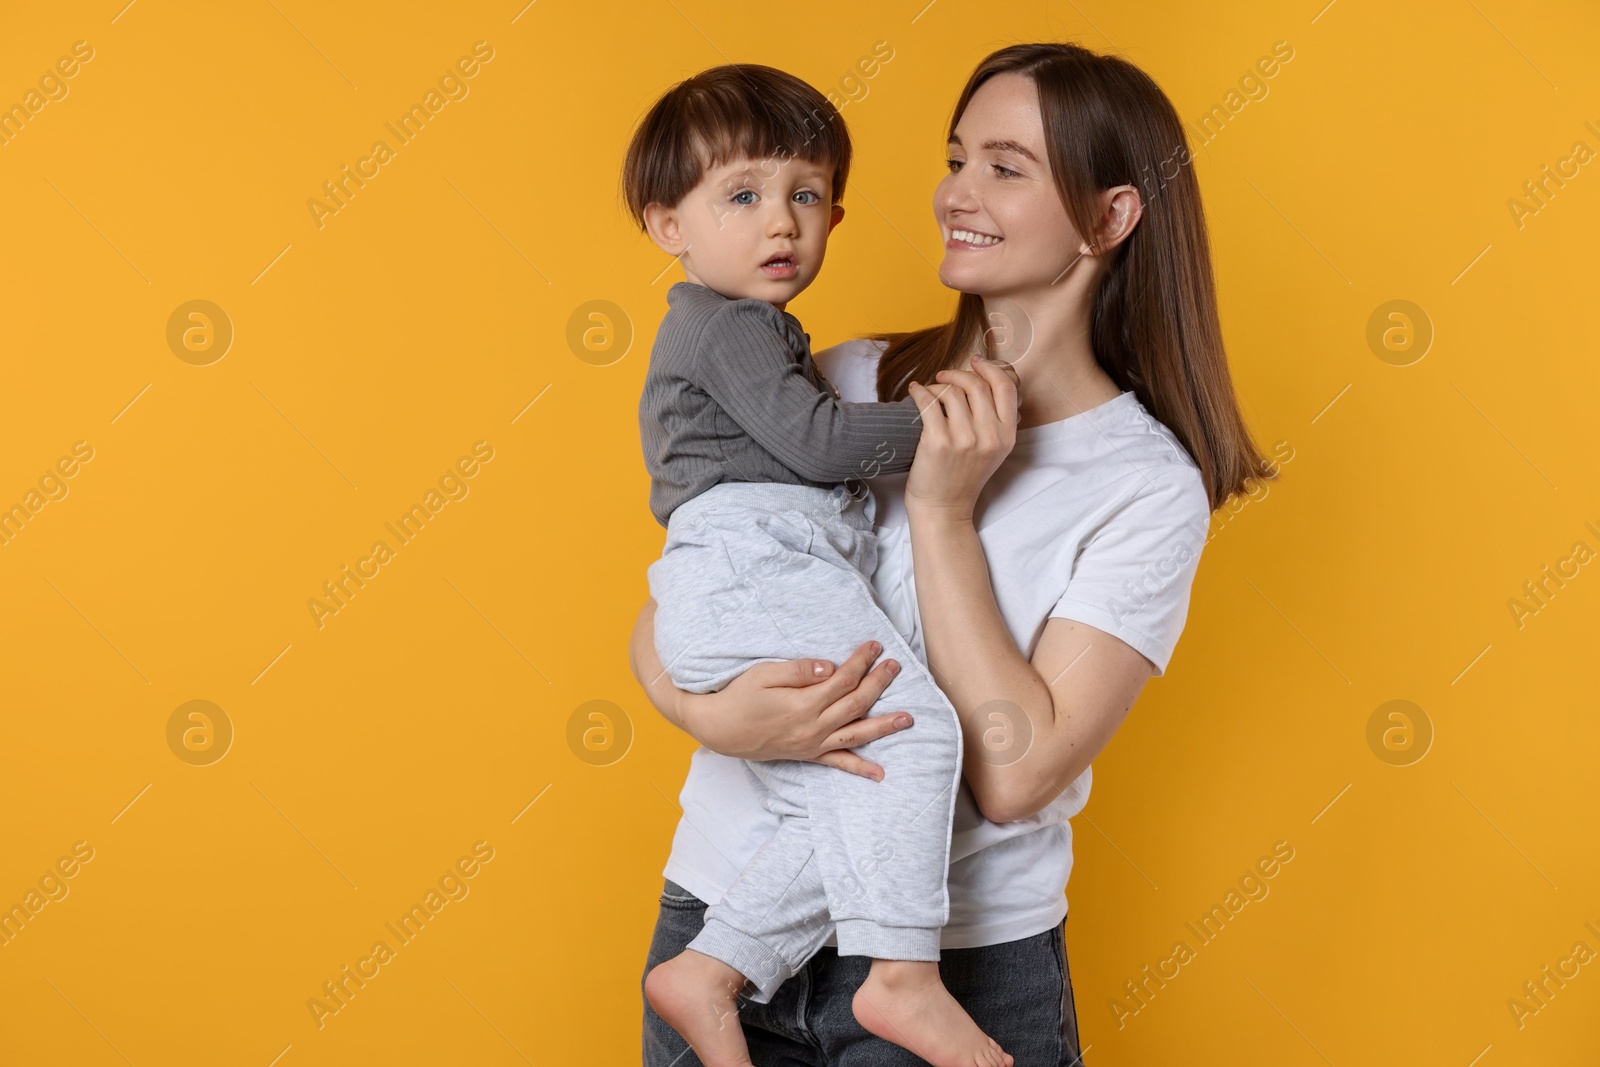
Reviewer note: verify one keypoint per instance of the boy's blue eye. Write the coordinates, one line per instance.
(743, 192)
(807, 192)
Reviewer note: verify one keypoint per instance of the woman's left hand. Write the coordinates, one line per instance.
(968, 427)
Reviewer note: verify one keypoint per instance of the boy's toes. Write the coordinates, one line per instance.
(995, 1056)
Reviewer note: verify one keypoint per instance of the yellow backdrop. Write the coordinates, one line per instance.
(243, 346)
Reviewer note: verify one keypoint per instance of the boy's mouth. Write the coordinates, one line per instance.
(780, 266)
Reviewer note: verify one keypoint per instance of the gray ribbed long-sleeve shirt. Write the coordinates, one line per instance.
(732, 395)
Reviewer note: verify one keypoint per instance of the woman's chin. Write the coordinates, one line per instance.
(961, 277)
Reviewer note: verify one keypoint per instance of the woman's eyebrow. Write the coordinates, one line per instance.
(1002, 146)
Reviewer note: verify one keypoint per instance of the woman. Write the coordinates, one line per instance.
(1040, 564)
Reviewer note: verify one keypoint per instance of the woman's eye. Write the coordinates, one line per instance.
(1006, 172)
(953, 164)
(807, 192)
(743, 192)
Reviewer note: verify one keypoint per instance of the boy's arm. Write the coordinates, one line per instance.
(745, 366)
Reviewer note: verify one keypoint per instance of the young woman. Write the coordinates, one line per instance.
(1039, 562)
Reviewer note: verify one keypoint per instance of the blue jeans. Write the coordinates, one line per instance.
(1019, 993)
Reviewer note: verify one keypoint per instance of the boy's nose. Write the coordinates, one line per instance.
(782, 223)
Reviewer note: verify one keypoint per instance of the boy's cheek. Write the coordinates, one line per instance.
(717, 210)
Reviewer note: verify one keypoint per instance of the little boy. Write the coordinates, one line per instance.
(737, 173)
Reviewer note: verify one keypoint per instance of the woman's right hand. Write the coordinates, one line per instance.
(788, 711)
(800, 709)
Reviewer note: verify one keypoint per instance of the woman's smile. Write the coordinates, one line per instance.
(956, 238)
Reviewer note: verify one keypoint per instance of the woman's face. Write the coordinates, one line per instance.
(1006, 231)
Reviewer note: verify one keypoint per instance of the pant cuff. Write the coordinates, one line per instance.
(764, 970)
(862, 937)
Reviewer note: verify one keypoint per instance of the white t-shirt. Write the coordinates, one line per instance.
(1099, 517)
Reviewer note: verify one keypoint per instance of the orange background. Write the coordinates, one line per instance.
(431, 712)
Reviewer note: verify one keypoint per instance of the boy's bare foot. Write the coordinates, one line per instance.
(698, 996)
(905, 1001)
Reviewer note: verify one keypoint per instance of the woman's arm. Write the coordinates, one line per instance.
(802, 709)
(1062, 707)
(1073, 695)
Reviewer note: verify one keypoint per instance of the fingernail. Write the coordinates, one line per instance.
(876, 648)
(902, 721)
(819, 668)
(894, 667)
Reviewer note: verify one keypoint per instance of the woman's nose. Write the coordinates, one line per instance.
(955, 193)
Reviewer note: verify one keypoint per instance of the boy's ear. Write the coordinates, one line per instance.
(664, 227)
(838, 216)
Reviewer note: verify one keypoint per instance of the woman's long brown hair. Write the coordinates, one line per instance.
(1154, 325)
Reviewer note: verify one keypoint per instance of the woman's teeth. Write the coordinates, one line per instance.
(974, 238)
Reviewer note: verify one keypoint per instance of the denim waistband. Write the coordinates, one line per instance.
(851, 501)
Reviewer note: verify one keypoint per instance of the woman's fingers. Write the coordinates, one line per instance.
(849, 761)
(992, 400)
(845, 678)
(1005, 388)
(802, 673)
(975, 389)
(965, 396)
(859, 732)
(1005, 385)
(793, 673)
(856, 700)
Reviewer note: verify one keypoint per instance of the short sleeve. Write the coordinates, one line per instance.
(852, 367)
(1132, 576)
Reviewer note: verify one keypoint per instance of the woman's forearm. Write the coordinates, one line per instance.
(975, 660)
(696, 714)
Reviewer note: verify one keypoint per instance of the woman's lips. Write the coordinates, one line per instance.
(971, 240)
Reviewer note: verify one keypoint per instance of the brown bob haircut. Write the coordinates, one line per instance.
(736, 111)
(1154, 323)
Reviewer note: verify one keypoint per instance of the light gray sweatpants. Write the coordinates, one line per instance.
(764, 571)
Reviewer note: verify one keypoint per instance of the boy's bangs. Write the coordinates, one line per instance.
(724, 143)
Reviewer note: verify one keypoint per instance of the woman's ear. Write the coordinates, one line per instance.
(1120, 211)
(664, 227)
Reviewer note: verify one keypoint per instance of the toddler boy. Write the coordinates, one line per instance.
(755, 465)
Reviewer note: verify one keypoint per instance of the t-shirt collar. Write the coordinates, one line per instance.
(1087, 419)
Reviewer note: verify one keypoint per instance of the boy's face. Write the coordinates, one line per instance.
(752, 228)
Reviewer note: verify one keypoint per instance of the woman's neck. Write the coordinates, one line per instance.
(1046, 338)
